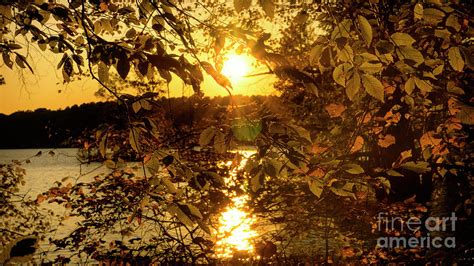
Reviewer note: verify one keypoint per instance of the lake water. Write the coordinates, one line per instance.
(62, 165)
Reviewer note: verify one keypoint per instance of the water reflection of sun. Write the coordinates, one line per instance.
(235, 231)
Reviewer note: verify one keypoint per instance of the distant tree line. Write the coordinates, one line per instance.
(73, 125)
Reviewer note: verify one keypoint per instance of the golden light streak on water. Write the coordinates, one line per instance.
(235, 233)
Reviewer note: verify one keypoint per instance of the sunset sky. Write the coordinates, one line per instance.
(44, 88)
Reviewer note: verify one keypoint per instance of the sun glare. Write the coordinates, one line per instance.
(236, 67)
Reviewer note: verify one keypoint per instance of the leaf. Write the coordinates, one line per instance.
(316, 188)
(218, 77)
(466, 115)
(339, 75)
(423, 85)
(384, 47)
(123, 67)
(194, 211)
(417, 167)
(418, 11)
(256, 182)
(394, 173)
(182, 217)
(133, 139)
(335, 110)
(219, 43)
(366, 29)
(370, 68)
(373, 87)
(219, 142)
(409, 85)
(438, 70)
(353, 85)
(386, 141)
(315, 54)
(455, 59)
(386, 183)
(402, 39)
(354, 169)
(453, 22)
(206, 136)
(410, 53)
(136, 106)
(241, 5)
(169, 185)
(358, 144)
(268, 7)
(7, 60)
(433, 16)
(103, 72)
(428, 139)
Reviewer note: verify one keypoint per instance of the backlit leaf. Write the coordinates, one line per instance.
(433, 16)
(353, 85)
(423, 85)
(206, 136)
(354, 169)
(418, 11)
(373, 87)
(409, 85)
(455, 59)
(386, 141)
(241, 5)
(402, 39)
(268, 7)
(366, 29)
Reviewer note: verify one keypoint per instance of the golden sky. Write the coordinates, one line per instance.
(45, 89)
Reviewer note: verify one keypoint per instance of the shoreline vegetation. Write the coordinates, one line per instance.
(71, 126)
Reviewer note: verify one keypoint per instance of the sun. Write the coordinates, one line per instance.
(236, 67)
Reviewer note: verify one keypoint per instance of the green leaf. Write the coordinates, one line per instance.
(433, 16)
(402, 39)
(241, 5)
(455, 59)
(354, 169)
(410, 85)
(268, 7)
(373, 87)
(417, 167)
(316, 188)
(353, 85)
(423, 85)
(206, 136)
(366, 29)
